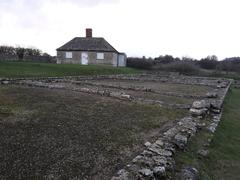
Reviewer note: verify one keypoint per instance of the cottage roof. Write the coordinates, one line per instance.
(87, 44)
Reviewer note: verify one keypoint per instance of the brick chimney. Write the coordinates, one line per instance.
(89, 33)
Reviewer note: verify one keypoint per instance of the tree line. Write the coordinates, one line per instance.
(21, 52)
(186, 65)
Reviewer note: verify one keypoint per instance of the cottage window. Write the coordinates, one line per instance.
(69, 55)
(100, 56)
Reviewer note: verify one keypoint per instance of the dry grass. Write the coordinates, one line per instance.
(54, 133)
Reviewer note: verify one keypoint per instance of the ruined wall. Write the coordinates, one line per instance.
(157, 161)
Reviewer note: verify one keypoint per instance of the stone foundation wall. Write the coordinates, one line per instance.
(157, 161)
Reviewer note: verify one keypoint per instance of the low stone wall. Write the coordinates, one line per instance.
(113, 94)
(212, 82)
(205, 81)
(50, 82)
(118, 95)
(134, 88)
(157, 161)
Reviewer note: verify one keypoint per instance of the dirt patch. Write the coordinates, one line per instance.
(64, 134)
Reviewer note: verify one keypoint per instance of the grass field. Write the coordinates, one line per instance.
(230, 75)
(223, 161)
(26, 69)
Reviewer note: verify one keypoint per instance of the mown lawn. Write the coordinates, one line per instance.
(26, 69)
(223, 161)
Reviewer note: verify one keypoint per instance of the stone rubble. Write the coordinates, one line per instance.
(211, 95)
(159, 172)
(223, 85)
(189, 173)
(146, 172)
(200, 108)
(180, 141)
(200, 104)
(202, 153)
(122, 175)
(199, 112)
(5, 82)
(147, 144)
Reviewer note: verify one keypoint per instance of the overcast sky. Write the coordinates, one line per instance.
(194, 28)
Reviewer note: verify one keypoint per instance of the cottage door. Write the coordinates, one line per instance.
(84, 58)
(121, 62)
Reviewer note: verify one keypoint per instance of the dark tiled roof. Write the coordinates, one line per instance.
(87, 44)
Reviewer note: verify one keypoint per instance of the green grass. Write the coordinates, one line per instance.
(223, 161)
(26, 69)
(230, 75)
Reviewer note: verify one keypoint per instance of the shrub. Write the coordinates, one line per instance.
(140, 63)
(183, 67)
(7, 50)
(210, 62)
(10, 53)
